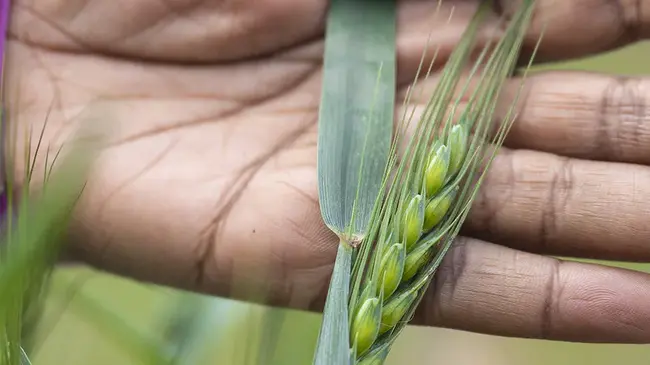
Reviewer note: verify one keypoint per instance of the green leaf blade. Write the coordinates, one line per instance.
(356, 111)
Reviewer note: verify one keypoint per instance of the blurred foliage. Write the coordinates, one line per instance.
(69, 337)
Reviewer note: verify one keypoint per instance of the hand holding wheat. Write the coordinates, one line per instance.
(214, 170)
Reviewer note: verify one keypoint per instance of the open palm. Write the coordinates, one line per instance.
(211, 176)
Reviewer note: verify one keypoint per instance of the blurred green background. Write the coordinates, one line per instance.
(79, 331)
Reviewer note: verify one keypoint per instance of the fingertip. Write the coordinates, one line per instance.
(576, 28)
(490, 289)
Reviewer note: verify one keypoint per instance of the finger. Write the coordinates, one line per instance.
(585, 115)
(574, 114)
(539, 202)
(491, 289)
(574, 28)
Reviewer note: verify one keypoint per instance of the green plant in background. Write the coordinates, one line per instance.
(33, 224)
(31, 240)
(397, 215)
(187, 328)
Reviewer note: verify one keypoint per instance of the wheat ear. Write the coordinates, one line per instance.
(427, 197)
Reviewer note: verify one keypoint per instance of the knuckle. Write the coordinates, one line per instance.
(552, 292)
(630, 17)
(495, 193)
(624, 117)
(561, 183)
(438, 297)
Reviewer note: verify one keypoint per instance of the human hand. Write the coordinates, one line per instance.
(213, 170)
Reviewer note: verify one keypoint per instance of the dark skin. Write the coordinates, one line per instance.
(211, 169)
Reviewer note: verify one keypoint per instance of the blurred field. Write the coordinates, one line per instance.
(77, 340)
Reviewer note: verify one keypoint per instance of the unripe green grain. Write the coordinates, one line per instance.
(458, 145)
(395, 309)
(412, 222)
(391, 268)
(375, 357)
(437, 208)
(365, 327)
(415, 261)
(436, 171)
